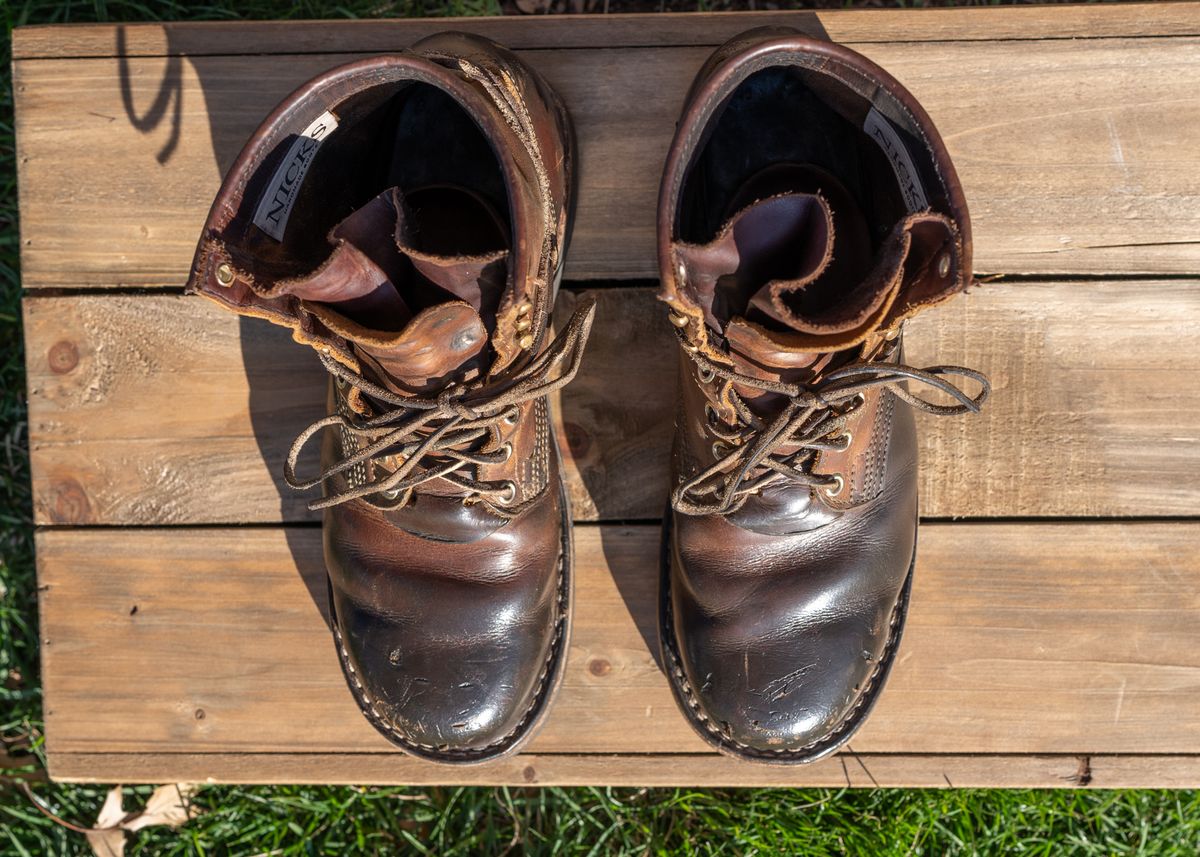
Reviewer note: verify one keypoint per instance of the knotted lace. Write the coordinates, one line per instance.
(439, 437)
(753, 452)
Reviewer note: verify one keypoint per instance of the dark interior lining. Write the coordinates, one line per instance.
(793, 129)
(410, 134)
(786, 114)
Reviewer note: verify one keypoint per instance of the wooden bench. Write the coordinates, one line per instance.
(1054, 637)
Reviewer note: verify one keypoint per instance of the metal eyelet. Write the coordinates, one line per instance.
(511, 419)
(678, 320)
(392, 493)
(508, 450)
(705, 374)
(711, 414)
(720, 448)
(510, 493)
(943, 268)
(224, 275)
(848, 437)
(524, 308)
(836, 488)
(858, 401)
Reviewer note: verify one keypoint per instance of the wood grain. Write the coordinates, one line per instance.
(1022, 639)
(592, 31)
(854, 770)
(1109, 184)
(165, 410)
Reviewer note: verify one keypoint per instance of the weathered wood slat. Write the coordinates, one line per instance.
(115, 194)
(859, 770)
(165, 410)
(598, 31)
(1022, 639)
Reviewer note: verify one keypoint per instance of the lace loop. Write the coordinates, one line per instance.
(436, 437)
(811, 421)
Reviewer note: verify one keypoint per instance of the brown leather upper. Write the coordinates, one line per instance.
(420, 258)
(808, 208)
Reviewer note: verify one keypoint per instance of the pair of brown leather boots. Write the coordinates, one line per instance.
(407, 217)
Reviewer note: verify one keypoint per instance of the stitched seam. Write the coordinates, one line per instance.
(872, 482)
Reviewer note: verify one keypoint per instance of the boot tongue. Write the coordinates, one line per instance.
(788, 237)
(792, 279)
(416, 319)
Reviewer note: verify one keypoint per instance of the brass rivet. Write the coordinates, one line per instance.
(682, 271)
(526, 342)
(224, 275)
(678, 320)
(524, 324)
(944, 265)
(892, 334)
(524, 308)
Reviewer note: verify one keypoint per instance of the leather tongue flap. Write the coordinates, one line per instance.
(476, 280)
(787, 237)
(445, 342)
(362, 276)
(917, 265)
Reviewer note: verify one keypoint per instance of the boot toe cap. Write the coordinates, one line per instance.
(447, 697)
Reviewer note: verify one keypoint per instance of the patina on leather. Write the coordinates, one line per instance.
(808, 208)
(406, 216)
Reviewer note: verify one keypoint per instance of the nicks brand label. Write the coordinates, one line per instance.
(882, 132)
(275, 207)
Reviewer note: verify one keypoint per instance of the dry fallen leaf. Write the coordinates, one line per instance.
(169, 805)
(107, 838)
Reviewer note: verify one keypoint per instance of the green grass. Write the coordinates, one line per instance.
(449, 821)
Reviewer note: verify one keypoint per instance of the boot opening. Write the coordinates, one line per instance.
(408, 135)
(790, 130)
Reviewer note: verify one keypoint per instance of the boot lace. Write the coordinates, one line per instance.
(753, 452)
(441, 436)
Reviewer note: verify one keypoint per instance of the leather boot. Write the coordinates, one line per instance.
(808, 208)
(406, 216)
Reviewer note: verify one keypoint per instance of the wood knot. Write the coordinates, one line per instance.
(71, 504)
(529, 774)
(63, 357)
(200, 715)
(599, 667)
(578, 439)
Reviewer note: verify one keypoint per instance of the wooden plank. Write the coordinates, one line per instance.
(592, 31)
(1023, 639)
(1093, 189)
(166, 410)
(854, 770)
